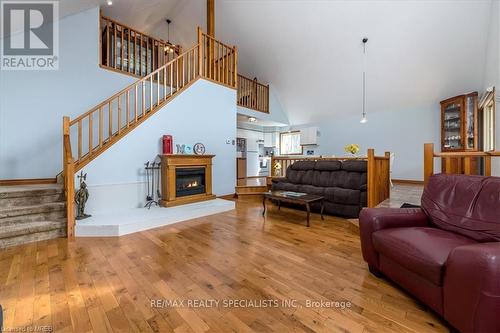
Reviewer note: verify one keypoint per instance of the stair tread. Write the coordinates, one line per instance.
(18, 210)
(31, 228)
(28, 191)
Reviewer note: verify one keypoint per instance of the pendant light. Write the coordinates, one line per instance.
(170, 47)
(363, 117)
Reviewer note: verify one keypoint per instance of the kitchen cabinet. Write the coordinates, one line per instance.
(270, 140)
(309, 136)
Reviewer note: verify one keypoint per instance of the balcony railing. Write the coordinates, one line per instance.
(252, 94)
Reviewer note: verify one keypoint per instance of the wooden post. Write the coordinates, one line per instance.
(371, 178)
(487, 165)
(211, 18)
(235, 67)
(69, 179)
(200, 52)
(70, 197)
(428, 161)
(467, 165)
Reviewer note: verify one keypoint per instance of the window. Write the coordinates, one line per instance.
(487, 113)
(290, 143)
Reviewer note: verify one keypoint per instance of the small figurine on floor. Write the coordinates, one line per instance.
(81, 197)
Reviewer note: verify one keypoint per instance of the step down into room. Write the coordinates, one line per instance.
(139, 219)
(250, 189)
(31, 213)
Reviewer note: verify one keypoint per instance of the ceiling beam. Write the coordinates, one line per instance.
(211, 18)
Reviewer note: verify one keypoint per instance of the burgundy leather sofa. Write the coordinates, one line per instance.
(447, 253)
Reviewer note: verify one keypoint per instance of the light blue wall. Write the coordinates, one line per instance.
(32, 103)
(204, 113)
(402, 132)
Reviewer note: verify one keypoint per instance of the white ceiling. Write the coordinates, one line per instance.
(419, 52)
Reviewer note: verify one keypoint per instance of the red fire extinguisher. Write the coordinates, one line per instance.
(167, 144)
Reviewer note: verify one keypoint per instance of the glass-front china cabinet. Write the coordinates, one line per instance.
(459, 126)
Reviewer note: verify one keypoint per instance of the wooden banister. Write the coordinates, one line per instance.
(378, 168)
(69, 178)
(464, 157)
(128, 50)
(252, 94)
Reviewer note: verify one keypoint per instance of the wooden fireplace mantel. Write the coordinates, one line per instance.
(169, 164)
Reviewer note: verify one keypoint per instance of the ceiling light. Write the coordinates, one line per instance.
(252, 119)
(110, 2)
(363, 118)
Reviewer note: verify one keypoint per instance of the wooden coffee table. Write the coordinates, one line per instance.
(294, 198)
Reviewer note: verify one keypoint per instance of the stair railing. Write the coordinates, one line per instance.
(90, 134)
(253, 94)
(128, 50)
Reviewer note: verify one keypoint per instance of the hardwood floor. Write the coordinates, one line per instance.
(107, 284)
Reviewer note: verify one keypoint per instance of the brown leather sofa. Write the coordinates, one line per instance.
(341, 183)
(447, 253)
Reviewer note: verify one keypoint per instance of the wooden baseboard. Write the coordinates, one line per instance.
(33, 181)
(227, 196)
(408, 181)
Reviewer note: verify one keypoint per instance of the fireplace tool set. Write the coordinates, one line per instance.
(153, 183)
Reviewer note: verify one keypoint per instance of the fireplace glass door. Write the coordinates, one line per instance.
(189, 181)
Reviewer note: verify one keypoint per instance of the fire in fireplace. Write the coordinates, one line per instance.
(189, 181)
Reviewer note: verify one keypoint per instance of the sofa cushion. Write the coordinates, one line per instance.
(355, 165)
(303, 165)
(467, 205)
(421, 250)
(328, 165)
(310, 189)
(342, 195)
(321, 178)
(282, 186)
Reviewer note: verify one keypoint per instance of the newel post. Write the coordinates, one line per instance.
(235, 69)
(200, 52)
(428, 161)
(371, 178)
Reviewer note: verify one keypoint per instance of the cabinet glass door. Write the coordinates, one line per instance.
(470, 123)
(452, 125)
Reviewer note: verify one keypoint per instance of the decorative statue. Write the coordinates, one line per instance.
(81, 197)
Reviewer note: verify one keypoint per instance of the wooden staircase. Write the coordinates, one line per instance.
(89, 135)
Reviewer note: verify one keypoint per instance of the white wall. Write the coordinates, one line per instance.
(206, 113)
(32, 103)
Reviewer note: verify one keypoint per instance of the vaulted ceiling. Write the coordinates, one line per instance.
(418, 52)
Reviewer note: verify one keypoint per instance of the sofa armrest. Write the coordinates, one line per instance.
(472, 288)
(374, 219)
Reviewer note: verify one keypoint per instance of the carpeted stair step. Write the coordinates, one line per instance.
(31, 232)
(30, 197)
(19, 212)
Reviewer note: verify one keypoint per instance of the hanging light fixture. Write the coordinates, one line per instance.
(169, 47)
(363, 117)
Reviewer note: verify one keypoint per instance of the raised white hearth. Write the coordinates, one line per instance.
(140, 219)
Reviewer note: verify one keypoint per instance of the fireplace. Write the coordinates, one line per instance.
(189, 181)
(185, 179)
